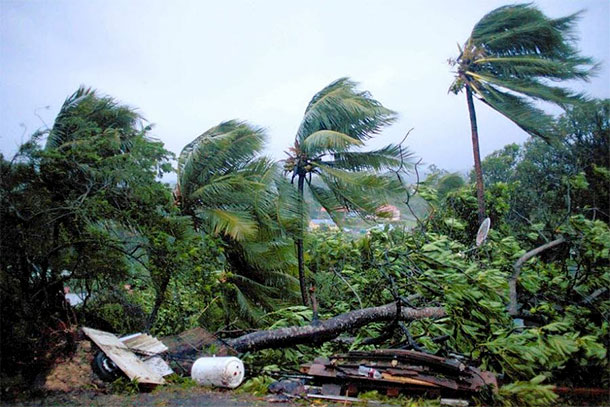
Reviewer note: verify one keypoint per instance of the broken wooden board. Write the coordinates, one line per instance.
(406, 380)
(124, 358)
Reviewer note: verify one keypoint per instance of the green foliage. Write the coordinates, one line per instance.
(337, 121)
(472, 286)
(179, 382)
(510, 57)
(529, 393)
(123, 385)
(234, 195)
(548, 182)
(78, 213)
(257, 385)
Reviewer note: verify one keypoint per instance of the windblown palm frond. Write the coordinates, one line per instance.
(84, 114)
(219, 151)
(232, 193)
(341, 108)
(513, 55)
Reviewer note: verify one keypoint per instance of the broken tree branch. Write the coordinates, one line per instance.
(512, 282)
(329, 329)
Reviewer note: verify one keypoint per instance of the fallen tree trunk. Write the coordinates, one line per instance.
(329, 329)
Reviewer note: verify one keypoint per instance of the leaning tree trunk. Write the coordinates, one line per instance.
(299, 240)
(477, 155)
(161, 289)
(329, 329)
(512, 282)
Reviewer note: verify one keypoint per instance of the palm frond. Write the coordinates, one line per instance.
(523, 113)
(238, 225)
(325, 197)
(340, 107)
(390, 156)
(287, 210)
(512, 55)
(362, 193)
(328, 140)
(233, 193)
(220, 150)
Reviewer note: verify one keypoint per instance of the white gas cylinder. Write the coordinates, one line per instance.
(218, 371)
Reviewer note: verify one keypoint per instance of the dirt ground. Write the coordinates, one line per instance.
(166, 397)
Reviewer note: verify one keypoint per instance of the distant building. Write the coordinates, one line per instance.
(317, 223)
(390, 212)
(74, 298)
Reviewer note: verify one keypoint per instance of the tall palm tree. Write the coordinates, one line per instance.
(233, 193)
(337, 122)
(512, 56)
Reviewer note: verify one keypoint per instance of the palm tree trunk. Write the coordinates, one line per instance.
(299, 240)
(477, 155)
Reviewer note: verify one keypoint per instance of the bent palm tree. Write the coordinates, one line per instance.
(85, 114)
(337, 122)
(232, 193)
(508, 62)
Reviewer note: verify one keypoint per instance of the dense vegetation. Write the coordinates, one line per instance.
(84, 209)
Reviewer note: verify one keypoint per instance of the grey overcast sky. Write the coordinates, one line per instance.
(188, 65)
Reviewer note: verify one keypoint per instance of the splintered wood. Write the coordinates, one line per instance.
(400, 370)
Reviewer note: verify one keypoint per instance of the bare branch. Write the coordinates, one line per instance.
(512, 282)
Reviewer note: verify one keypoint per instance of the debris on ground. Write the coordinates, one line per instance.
(293, 387)
(223, 371)
(135, 355)
(394, 371)
(188, 346)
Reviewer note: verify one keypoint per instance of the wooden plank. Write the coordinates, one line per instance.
(320, 370)
(341, 398)
(440, 381)
(406, 380)
(125, 359)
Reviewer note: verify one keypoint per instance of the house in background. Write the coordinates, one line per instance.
(315, 224)
(390, 213)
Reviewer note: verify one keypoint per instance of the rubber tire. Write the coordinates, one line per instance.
(105, 368)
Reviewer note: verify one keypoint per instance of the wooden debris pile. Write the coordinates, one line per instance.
(395, 371)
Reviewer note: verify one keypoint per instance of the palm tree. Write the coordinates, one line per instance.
(233, 193)
(512, 56)
(84, 114)
(337, 122)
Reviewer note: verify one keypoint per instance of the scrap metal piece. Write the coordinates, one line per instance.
(123, 357)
